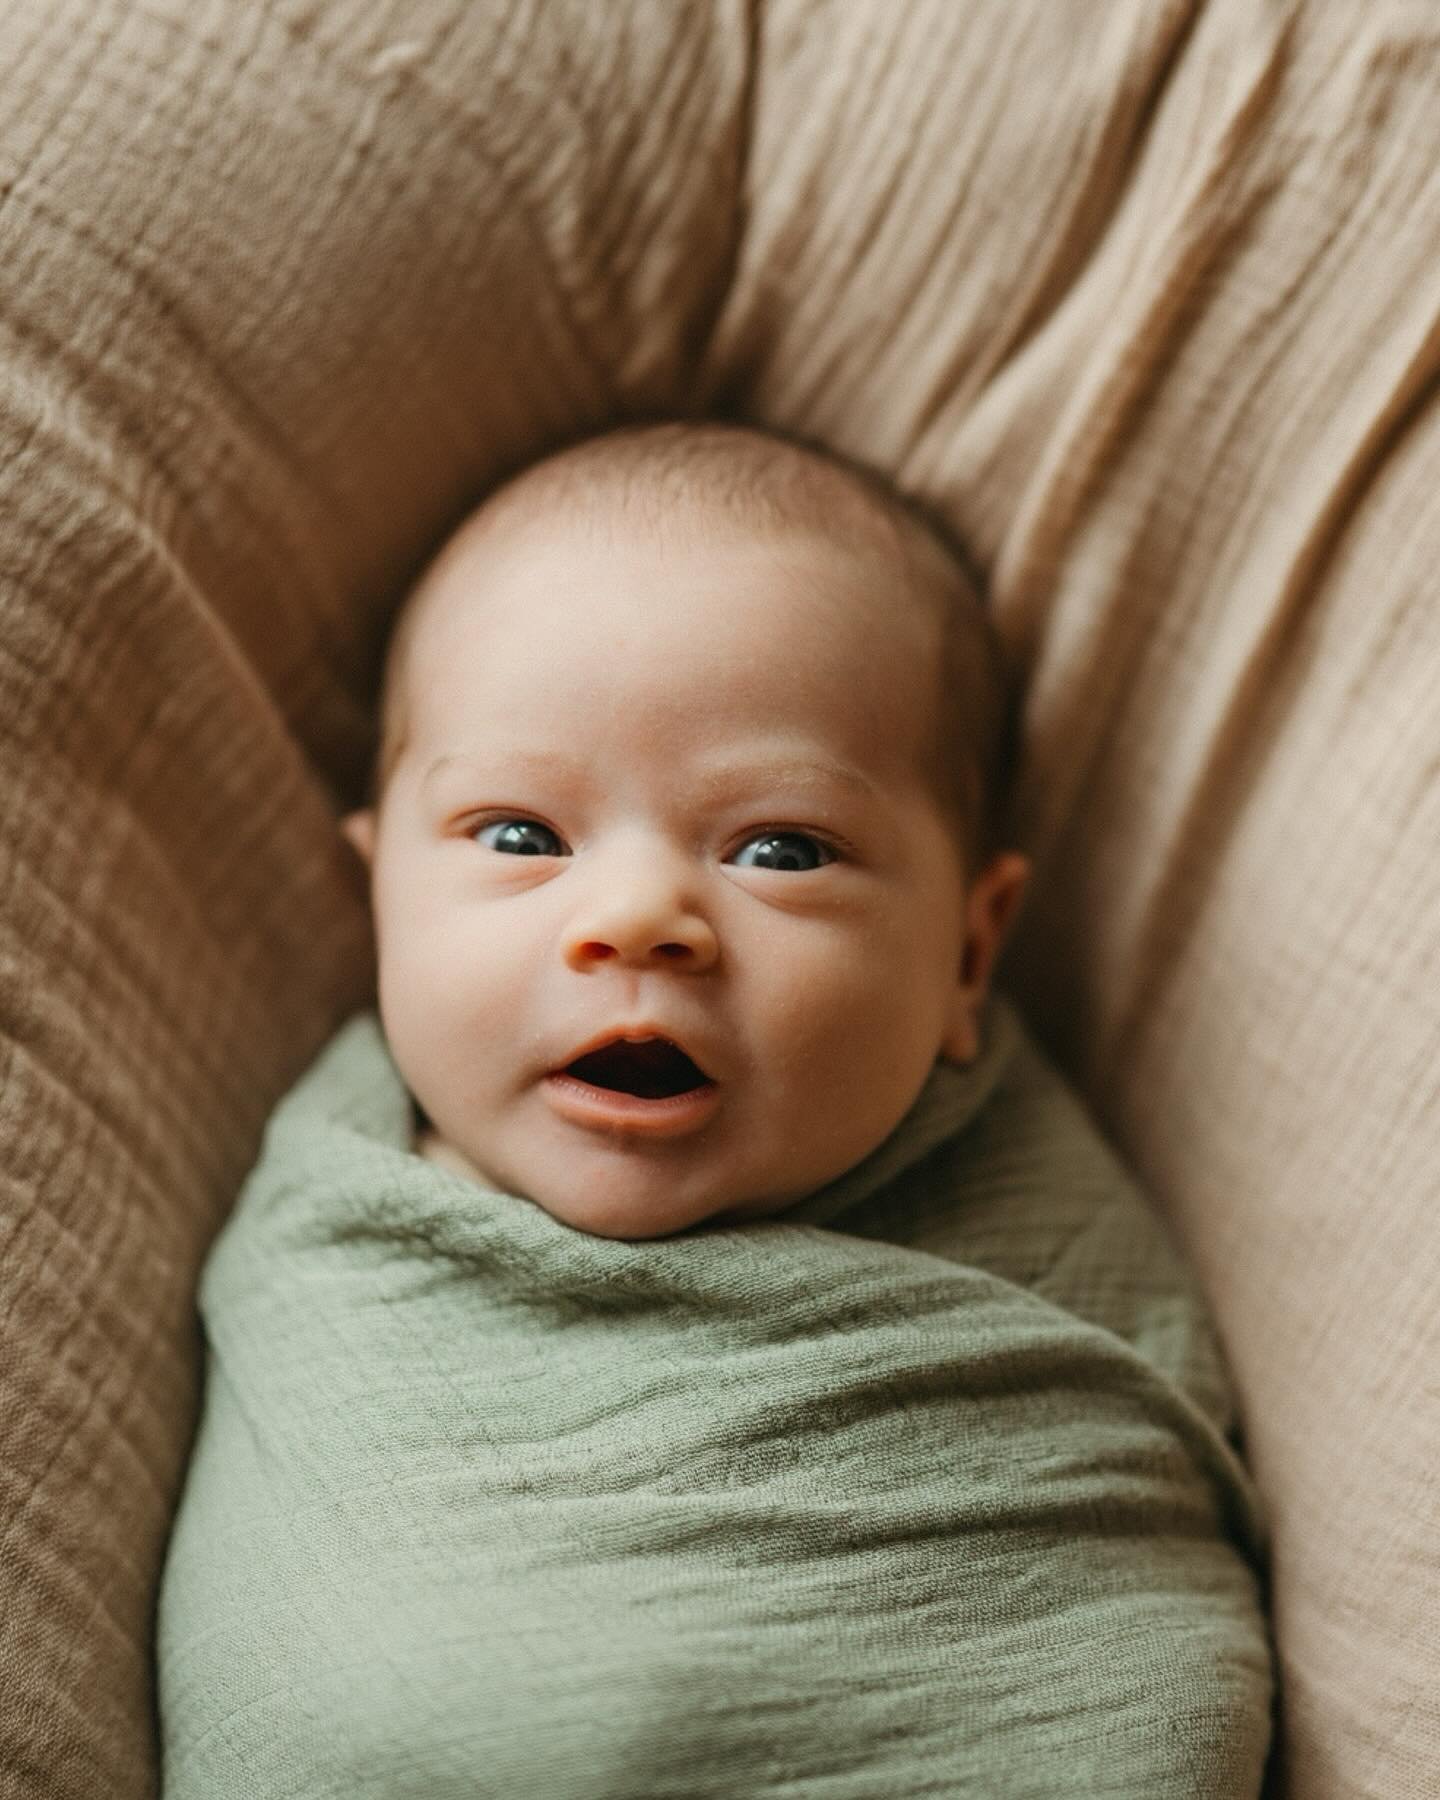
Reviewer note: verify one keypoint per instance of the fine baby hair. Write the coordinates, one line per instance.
(771, 483)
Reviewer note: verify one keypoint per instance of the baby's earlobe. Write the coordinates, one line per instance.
(359, 828)
(961, 1042)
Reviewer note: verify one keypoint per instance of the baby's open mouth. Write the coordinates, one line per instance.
(652, 1069)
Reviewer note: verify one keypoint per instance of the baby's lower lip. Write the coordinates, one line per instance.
(608, 1109)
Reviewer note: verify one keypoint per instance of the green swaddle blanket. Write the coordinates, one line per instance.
(921, 1487)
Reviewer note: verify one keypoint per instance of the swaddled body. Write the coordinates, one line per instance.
(919, 1489)
(761, 1381)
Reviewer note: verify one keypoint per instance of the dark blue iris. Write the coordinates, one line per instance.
(521, 837)
(792, 851)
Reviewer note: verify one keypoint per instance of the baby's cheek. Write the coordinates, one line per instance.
(426, 1005)
(809, 1047)
(871, 1032)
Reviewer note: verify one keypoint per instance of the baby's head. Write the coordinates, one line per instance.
(683, 849)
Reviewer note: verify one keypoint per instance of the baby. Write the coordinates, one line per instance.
(764, 1381)
(684, 857)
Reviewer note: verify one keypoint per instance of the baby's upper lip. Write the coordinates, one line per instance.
(636, 1033)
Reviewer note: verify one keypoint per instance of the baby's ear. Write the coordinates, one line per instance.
(990, 907)
(359, 828)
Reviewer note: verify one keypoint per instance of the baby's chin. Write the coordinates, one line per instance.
(639, 1218)
(620, 1210)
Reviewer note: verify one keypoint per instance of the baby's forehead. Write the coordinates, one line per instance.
(919, 605)
(607, 514)
(706, 490)
(740, 596)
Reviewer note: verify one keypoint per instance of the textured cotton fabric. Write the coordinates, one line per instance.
(933, 1497)
(1144, 296)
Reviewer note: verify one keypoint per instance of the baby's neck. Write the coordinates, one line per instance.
(435, 1149)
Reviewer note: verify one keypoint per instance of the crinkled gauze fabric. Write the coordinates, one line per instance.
(922, 1487)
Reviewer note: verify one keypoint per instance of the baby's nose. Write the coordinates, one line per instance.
(645, 924)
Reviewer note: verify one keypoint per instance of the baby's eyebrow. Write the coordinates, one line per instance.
(789, 771)
(442, 762)
(524, 762)
(805, 770)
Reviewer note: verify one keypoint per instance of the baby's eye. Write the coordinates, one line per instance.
(794, 851)
(519, 837)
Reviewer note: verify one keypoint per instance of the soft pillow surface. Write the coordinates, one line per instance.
(931, 1498)
(1144, 297)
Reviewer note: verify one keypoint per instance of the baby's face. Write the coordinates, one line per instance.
(666, 785)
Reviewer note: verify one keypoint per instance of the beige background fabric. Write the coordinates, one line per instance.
(1144, 295)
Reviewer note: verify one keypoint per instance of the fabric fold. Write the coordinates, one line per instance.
(932, 1496)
